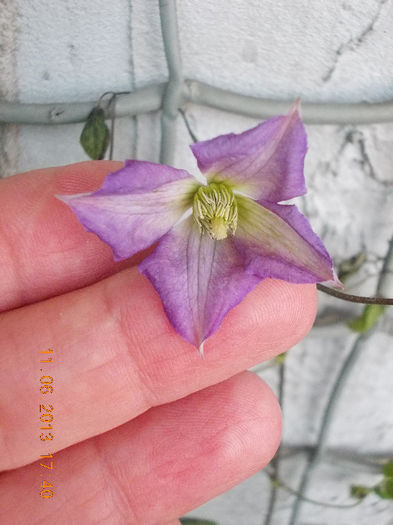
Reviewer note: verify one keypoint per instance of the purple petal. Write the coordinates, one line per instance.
(266, 162)
(130, 222)
(277, 241)
(138, 177)
(198, 279)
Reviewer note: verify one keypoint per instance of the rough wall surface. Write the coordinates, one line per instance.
(8, 84)
(341, 50)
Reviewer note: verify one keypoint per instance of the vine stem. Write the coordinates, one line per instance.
(354, 298)
(275, 463)
(384, 285)
(110, 109)
(287, 488)
(187, 124)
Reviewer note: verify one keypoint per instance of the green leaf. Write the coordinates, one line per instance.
(389, 487)
(94, 138)
(370, 315)
(196, 521)
(280, 358)
(388, 469)
(360, 491)
(385, 489)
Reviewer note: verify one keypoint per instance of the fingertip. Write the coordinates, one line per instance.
(275, 316)
(262, 417)
(234, 426)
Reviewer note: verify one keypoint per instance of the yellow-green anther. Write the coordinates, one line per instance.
(215, 210)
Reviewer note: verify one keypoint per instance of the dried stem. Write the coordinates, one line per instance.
(354, 298)
(187, 124)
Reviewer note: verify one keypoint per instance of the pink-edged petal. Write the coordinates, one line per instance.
(265, 162)
(130, 222)
(198, 279)
(277, 241)
(138, 176)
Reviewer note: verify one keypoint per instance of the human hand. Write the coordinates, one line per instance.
(144, 429)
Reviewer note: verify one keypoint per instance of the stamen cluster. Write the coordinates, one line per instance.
(215, 210)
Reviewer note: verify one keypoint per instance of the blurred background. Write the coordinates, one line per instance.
(336, 386)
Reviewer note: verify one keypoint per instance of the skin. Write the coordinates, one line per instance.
(144, 429)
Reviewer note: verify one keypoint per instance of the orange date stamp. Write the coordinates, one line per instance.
(46, 422)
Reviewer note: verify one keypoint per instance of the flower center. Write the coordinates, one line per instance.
(215, 210)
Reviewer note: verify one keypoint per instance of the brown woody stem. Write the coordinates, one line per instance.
(354, 298)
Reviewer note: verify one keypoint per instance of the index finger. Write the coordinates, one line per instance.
(44, 250)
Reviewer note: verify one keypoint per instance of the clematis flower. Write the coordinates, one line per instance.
(217, 239)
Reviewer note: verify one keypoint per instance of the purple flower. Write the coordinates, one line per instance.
(216, 240)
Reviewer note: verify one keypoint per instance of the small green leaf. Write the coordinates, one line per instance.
(385, 489)
(94, 138)
(280, 358)
(389, 487)
(360, 491)
(387, 469)
(370, 315)
(196, 521)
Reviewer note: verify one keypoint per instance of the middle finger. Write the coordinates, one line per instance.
(115, 355)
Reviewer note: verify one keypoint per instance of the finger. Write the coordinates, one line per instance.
(115, 355)
(44, 250)
(158, 466)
